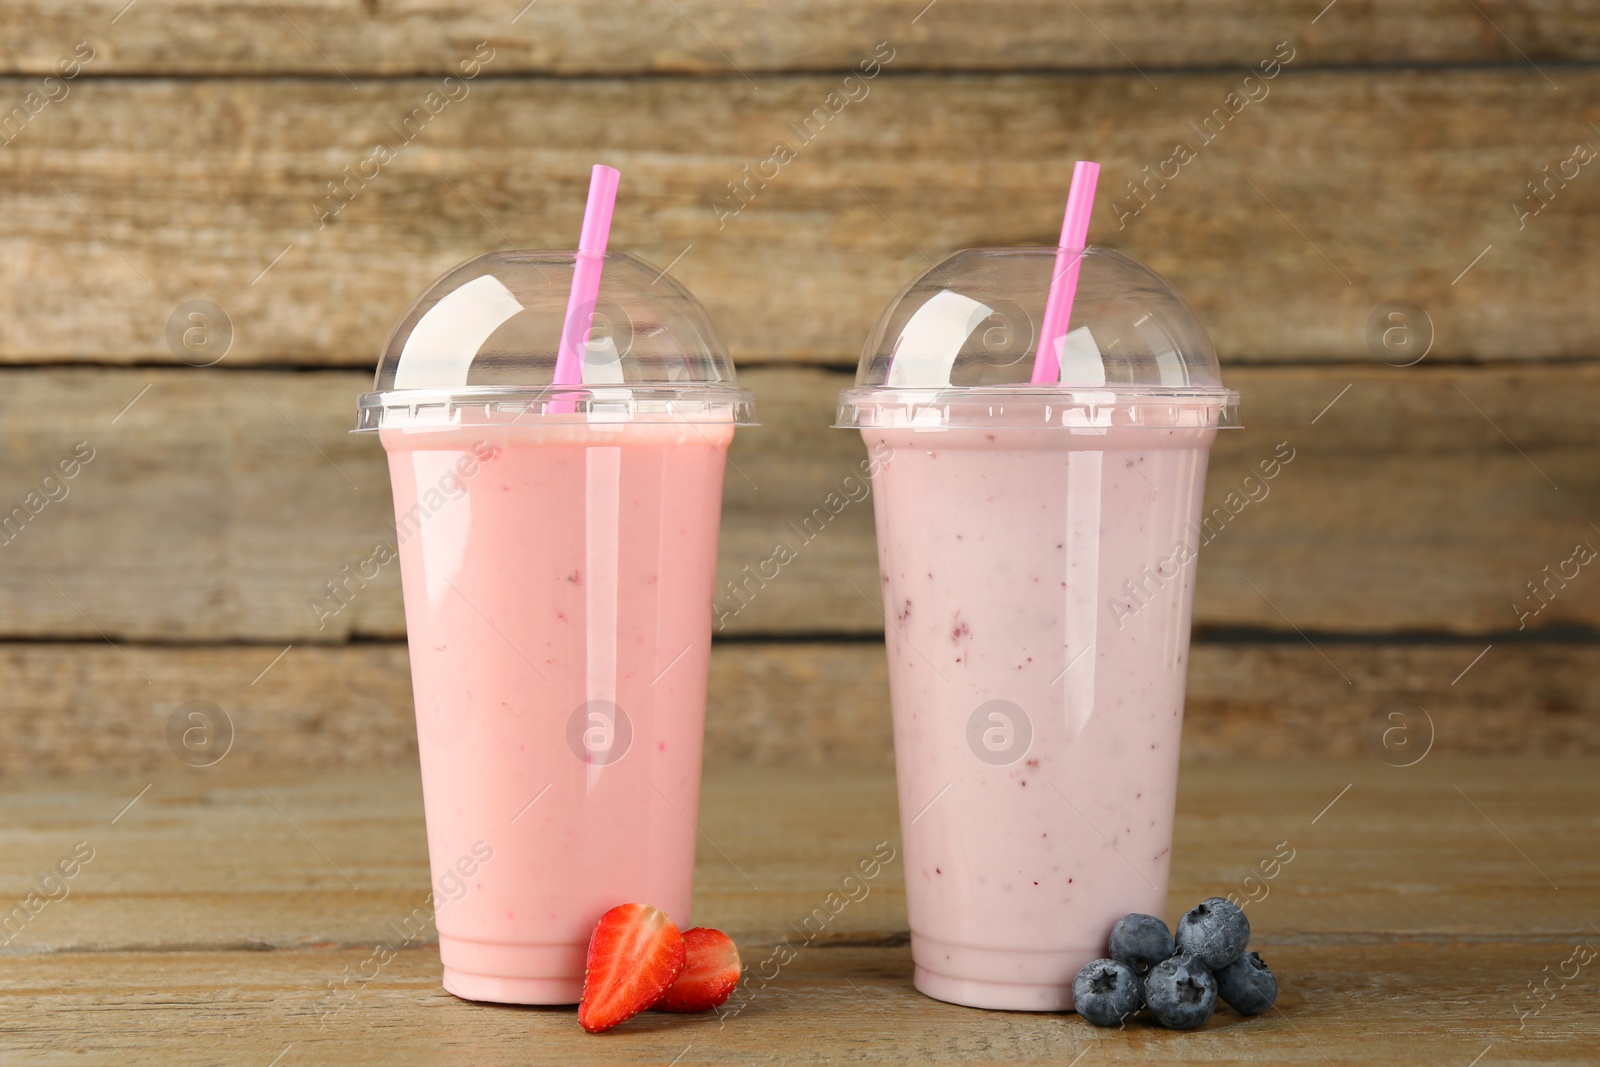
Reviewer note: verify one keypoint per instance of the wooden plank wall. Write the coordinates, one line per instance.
(1423, 151)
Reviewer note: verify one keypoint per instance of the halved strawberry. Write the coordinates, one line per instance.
(710, 972)
(635, 954)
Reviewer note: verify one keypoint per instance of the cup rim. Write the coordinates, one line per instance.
(1068, 407)
(646, 402)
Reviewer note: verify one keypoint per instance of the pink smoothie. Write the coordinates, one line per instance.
(1032, 824)
(555, 573)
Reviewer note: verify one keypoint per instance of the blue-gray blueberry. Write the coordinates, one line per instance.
(1141, 941)
(1215, 932)
(1106, 992)
(1247, 985)
(1180, 992)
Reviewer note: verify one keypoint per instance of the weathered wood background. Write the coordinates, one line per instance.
(1389, 160)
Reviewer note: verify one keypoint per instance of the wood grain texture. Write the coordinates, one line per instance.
(80, 708)
(1403, 925)
(1431, 1005)
(200, 849)
(195, 872)
(311, 37)
(218, 505)
(1333, 193)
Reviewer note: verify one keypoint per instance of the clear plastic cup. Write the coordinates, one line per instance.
(1037, 549)
(557, 549)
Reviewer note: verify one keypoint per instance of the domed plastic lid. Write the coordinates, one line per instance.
(481, 343)
(956, 347)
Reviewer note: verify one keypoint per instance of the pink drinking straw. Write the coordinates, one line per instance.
(1064, 283)
(586, 277)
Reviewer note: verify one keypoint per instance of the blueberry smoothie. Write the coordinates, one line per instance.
(1037, 585)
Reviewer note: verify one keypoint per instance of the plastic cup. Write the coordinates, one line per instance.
(1037, 550)
(557, 552)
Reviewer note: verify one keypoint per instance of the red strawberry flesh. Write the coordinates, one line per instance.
(635, 954)
(710, 973)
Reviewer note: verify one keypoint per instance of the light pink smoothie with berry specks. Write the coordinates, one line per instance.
(558, 579)
(1037, 587)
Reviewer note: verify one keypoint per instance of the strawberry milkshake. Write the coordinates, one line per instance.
(558, 661)
(558, 548)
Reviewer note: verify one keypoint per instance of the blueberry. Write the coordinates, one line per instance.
(1247, 985)
(1106, 992)
(1215, 932)
(1180, 992)
(1141, 941)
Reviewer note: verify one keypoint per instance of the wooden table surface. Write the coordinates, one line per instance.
(219, 912)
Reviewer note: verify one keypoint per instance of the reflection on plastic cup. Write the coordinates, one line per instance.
(1399, 333)
(599, 732)
(199, 733)
(199, 332)
(999, 732)
(1400, 733)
